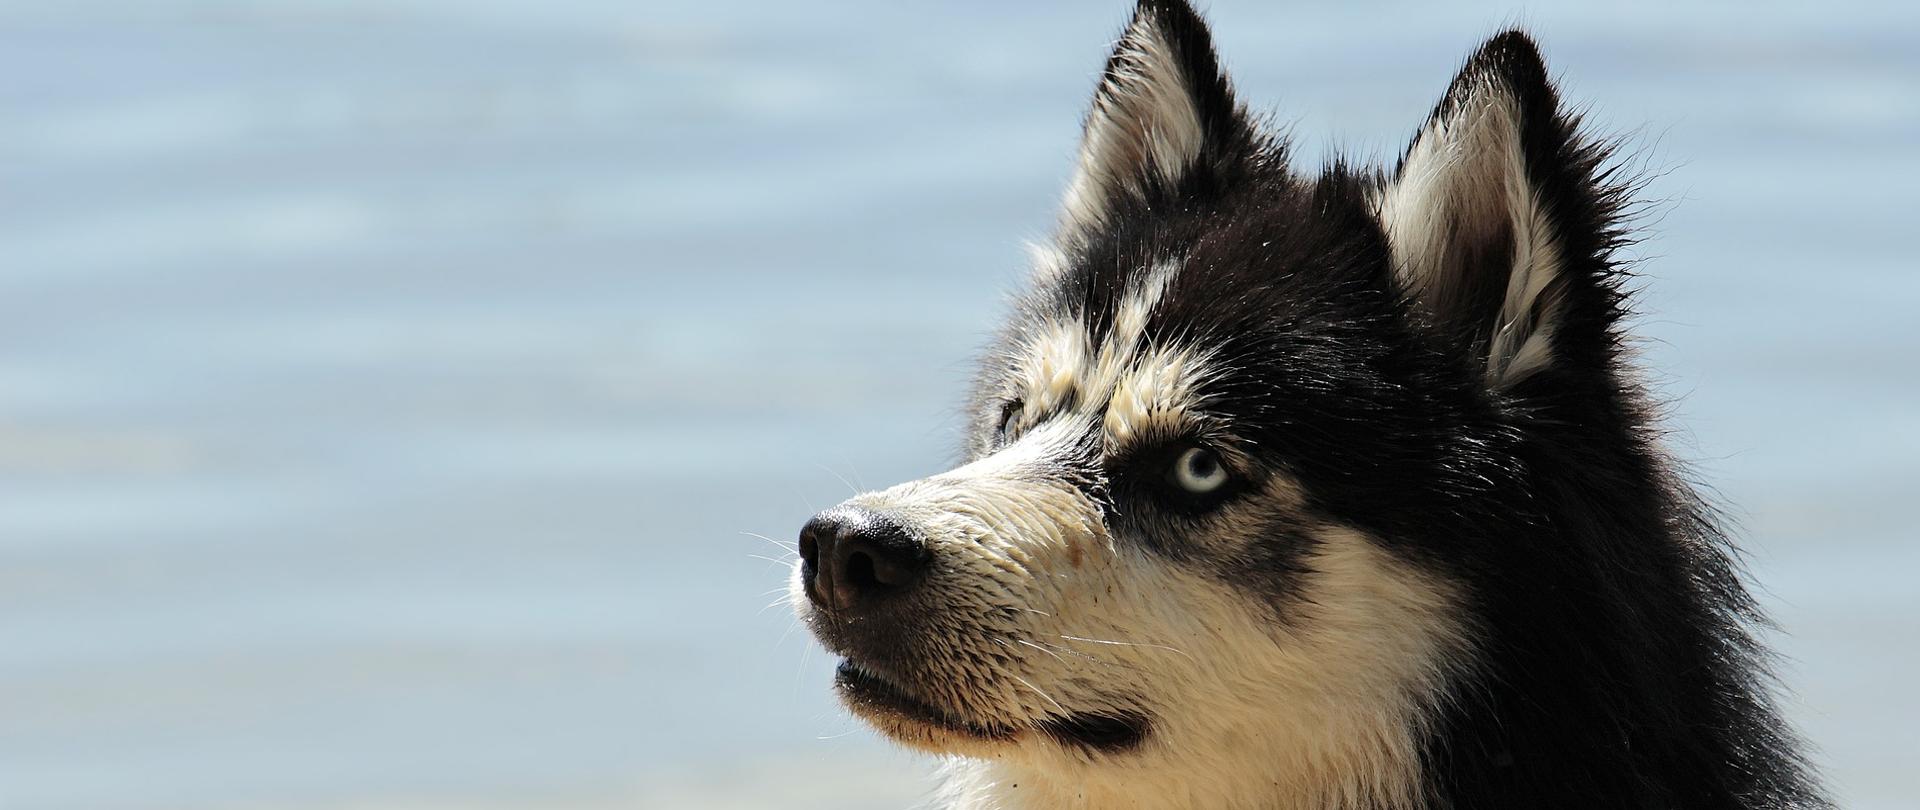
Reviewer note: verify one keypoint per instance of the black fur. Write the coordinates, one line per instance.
(1615, 663)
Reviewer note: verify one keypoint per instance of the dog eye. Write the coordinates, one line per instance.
(1199, 471)
(1008, 413)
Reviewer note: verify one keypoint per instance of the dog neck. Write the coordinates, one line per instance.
(1244, 774)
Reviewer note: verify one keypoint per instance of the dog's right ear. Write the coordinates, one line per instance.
(1162, 112)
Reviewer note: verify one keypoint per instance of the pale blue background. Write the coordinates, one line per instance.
(386, 388)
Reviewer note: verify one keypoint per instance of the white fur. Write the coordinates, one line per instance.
(1059, 362)
(1158, 393)
(1130, 321)
(1048, 262)
(1143, 124)
(1465, 178)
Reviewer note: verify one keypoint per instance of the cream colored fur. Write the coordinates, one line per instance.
(1464, 179)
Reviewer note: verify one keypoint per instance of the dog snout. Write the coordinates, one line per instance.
(853, 559)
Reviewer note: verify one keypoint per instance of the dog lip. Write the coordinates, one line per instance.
(868, 692)
(1105, 733)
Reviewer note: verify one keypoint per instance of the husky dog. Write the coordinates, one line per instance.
(1291, 491)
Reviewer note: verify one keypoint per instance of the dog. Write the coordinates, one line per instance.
(1312, 491)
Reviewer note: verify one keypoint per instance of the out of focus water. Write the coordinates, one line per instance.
(388, 390)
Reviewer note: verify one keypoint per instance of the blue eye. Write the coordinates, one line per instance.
(1199, 471)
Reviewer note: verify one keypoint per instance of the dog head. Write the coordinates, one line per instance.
(1227, 459)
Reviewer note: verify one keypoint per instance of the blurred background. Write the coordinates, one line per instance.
(391, 392)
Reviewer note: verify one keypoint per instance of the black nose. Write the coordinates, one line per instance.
(852, 559)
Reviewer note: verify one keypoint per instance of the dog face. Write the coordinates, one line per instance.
(1226, 462)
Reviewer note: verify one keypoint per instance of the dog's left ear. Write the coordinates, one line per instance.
(1163, 113)
(1501, 221)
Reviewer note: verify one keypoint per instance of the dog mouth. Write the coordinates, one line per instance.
(874, 696)
(867, 693)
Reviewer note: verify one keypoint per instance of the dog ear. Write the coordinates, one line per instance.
(1501, 221)
(1163, 110)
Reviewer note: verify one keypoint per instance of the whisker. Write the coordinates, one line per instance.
(781, 543)
(799, 668)
(785, 599)
(1003, 642)
(811, 509)
(1056, 650)
(854, 471)
(793, 622)
(1128, 644)
(1055, 655)
(786, 563)
(843, 479)
(1036, 690)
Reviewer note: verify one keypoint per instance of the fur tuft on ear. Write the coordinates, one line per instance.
(1500, 219)
(1162, 107)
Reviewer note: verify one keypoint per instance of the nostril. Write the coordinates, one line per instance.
(877, 563)
(809, 549)
(860, 573)
(890, 571)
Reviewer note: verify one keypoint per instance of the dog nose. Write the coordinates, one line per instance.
(852, 558)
